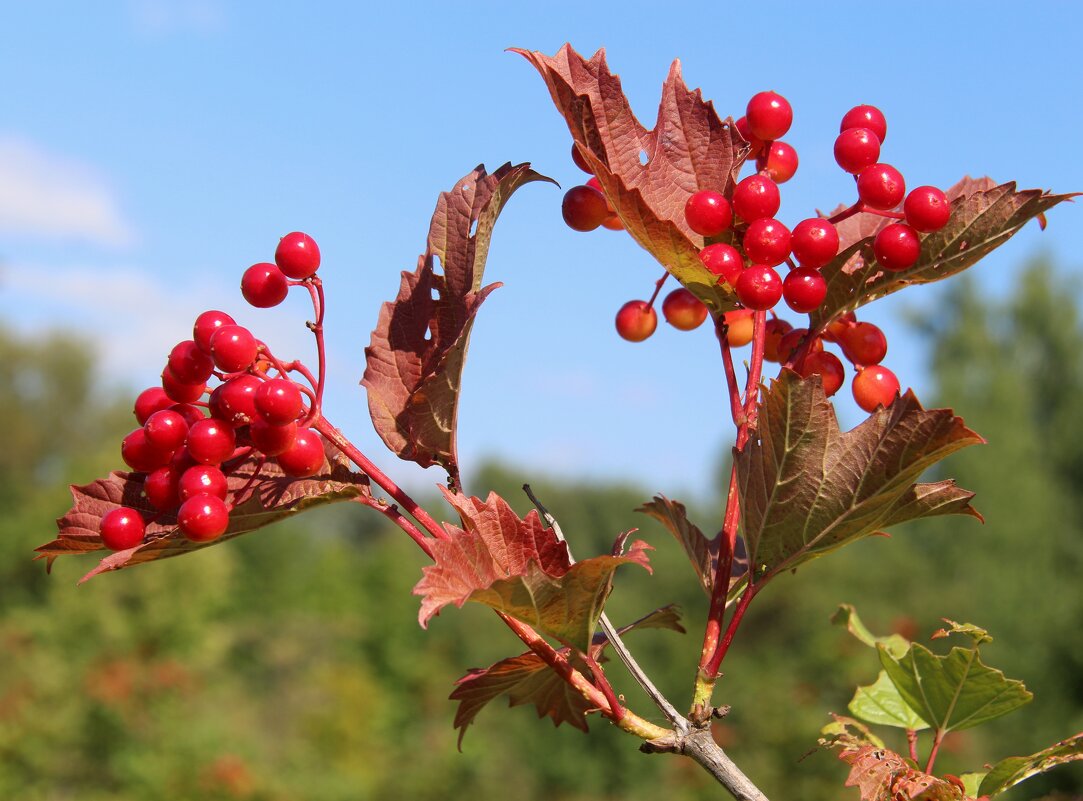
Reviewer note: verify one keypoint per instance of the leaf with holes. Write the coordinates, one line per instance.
(527, 679)
(983, 217)
(518, 567)
(882, 775)
(259, 499)
(808, 488)
(1010, 772)
(415, 359)
(648, 176)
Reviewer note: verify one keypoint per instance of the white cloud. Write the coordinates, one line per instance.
(45, 195)
(167, 17)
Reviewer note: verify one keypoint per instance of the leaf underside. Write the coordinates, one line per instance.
(701, 552)
(270, 497)
(1010, 772)
(415, 358)
(882, 775)
(808, 488)
(880, 702)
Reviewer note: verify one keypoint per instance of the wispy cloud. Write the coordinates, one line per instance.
(46, 195)
(167, 17)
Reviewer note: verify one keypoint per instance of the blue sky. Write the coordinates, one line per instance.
(151, 150)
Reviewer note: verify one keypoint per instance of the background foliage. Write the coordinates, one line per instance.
(289, 664)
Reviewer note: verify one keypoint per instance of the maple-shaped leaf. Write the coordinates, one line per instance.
(846, 615)
(259, 499)
(1011, 771)
(848, 734)
(880, 774)
(954, 691)
(808, 488)
(983, 217)
(519, 567)
(527, 679)
(702, 552)
(881, 702)
(648, 175)
(415, 359)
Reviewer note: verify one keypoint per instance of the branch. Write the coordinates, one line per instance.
(676, 718)
(701, 747)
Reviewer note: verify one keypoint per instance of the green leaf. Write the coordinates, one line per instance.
(979, 635)
(881, 703)
(702, 553)
(808, 488)
(970, 783)
(846, 615)
(983, 217)
(1010, 772)
(955, 691)
(849, 734)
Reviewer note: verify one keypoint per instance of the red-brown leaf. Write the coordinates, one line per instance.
(882, 775)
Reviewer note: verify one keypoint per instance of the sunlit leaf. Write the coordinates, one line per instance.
(702, 553)
(1009, 772)
(881, 703)
(882, 775)
(846, 615)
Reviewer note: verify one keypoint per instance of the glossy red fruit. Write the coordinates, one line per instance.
(264, 285)
(774, 330)
(178, 391)
(203, 518)
(211, 441)
(233, 348)
(769, 116)
(740, 327)
(613, 223)
(837, 327)
(636, 320)
(202, 479)
(856, 149)
(826, 365)
(584, 208)
(278, 401)
(141, 455)
(866, 117)
(166, 430)
(297, 256)
(683, 310)
(875, 386)
(927, 209)
(580, 162)
(863, 344)
(723, 260)
(149, 401)
(755, 142)
(804, 289)
(122, 528)
(189, 364)
(708, 213)
(897, 247)
(160, 488)
(759, 287)
(756, 196)
(271, 440)
(305, 457)
(815, 242)
(780, 163)
(767, 241)
(206, 325)
(190, 413)
(234, 402)
(881, 186)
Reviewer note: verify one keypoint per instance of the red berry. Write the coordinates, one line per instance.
(781, 162)
(683, 310)
(141, 455)
(767, 241)
(233, 348)
(234, 402)
(723, 260)
(708, 213)
(166, 430)
(856, 149)
(927, 209)
(815, 242)
(202, 479)
(178, 391)
(756, 196)
(837, 328)
(149, 401)
(189, 364)
(863, 344)
(897, 247)
(754, 141)
(160, 487)
(804, 289)
(206, 324)
(875, 386)
(211, 441)
(774, 330)
(122, 528)
(264, 285)
(203, 518)
(636, 320)
(759, 287)
(580, 162)
(584, 208)
(791, 342)
(305, 457)
(769, 116)
(881, 186)
(272, 440)
(190, 413)
(613, 222)
(740, 327)
(297, 256)
(278, 401)
(865, 117)
(826, 365)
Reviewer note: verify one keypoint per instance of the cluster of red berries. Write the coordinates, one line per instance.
(185, 445)
(745, 244)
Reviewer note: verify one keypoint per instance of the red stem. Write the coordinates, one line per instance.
(657, 288)
(393, 514)
(938, 738)
(603, 684)
(912, 742)
(715, 663)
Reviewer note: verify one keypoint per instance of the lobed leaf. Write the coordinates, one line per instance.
(519, 567)
(880, 702)
(809, 488)
(955, 691)
(1010, 772)
(262, 498)
(702, 553)
(883, 775)
(415, 358)
(983, 217)
(648, 175)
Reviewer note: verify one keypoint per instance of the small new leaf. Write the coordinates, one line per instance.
(1010, 772)
(809, 488)
(846, 615)
(518, 567)
(415, 359)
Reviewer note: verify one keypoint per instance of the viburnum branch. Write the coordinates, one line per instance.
(736, 409)
(938, 738)
(665, 707)
(392, 513)
(657, 288)
(912, 743)
(315, 289)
